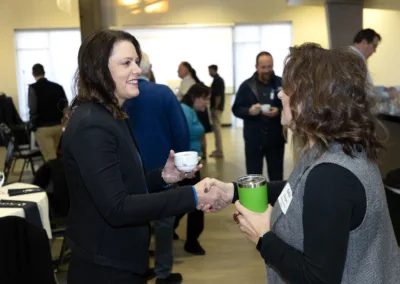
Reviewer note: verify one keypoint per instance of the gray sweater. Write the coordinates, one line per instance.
(372, 255)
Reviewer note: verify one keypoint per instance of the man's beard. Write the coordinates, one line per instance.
(265, 77)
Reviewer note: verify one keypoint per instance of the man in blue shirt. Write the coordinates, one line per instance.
(159, 125)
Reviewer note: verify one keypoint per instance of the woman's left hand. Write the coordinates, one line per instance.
(253, 224)
(171, 174)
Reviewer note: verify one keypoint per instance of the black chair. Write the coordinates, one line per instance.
(51, 177)
(9, 160)
(15, 153)
(392, 186)
(21, 133)
(25, 252)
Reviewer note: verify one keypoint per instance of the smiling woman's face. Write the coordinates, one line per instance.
(125, 71)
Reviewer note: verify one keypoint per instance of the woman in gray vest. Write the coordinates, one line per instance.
(329, 223)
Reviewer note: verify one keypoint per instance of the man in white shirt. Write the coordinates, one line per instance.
(365, 44)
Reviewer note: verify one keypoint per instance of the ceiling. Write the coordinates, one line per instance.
(373, 4)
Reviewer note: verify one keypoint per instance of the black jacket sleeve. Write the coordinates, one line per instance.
(242, 104)
(98, 162)
(155, 182)
(334, 204)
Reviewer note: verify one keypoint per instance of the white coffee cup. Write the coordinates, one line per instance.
(186, 161)
(265, 107)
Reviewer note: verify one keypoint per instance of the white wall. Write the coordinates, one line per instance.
(384, 64)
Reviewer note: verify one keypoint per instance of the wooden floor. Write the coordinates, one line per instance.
(229, 258)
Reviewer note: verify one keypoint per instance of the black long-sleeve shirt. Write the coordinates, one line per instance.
(334, 204)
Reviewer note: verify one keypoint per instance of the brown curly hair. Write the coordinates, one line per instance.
(329, 99)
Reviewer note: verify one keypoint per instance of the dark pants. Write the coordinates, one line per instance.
(195, 220)
(164, 259)
(274, 156)
(81, 271)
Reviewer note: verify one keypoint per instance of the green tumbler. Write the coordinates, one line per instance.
(253, 192)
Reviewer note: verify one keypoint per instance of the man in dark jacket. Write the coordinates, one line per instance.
(47, 101)
(258, 105)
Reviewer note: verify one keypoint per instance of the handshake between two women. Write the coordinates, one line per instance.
(213, 195)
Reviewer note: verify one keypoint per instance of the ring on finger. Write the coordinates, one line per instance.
(236, 218)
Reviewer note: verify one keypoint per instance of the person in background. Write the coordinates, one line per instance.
(329, 223)
(263, 132)
(189, 78)
(151, 77)
(196, 99)
(112, 196)
(47, 101)
(365, 44)
(217, 107)
(159, 125)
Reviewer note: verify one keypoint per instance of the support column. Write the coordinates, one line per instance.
(345, 19)
(96, 15)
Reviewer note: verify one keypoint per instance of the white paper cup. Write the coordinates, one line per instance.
(265, 107)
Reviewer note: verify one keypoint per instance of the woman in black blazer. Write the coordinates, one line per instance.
(110, 204)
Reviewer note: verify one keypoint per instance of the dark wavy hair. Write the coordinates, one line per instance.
(192, 71)
(93, 80)
(198, 90)
(329, 99)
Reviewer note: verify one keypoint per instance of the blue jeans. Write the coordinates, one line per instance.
(164, 230)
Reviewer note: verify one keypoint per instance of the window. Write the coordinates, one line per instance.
(56, 50)
(201, 47)
(249, 40)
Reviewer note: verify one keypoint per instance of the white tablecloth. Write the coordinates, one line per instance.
(40, 198)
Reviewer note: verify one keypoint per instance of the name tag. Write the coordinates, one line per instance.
(285, 198)
(272, 95)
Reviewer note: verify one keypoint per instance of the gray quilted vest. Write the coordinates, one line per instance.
(373, 256)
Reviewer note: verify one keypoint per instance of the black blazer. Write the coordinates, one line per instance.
(110, 207)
